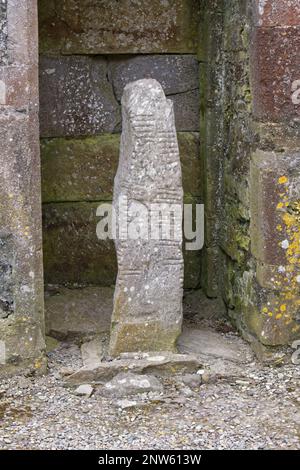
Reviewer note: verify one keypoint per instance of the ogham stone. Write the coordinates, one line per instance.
(147, 314)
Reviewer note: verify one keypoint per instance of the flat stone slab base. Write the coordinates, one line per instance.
(158, 364)
(78, 313)
(224, 356)
(208, 344)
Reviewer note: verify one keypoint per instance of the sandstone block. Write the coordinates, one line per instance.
(276, 73)
(275, 194)
(14, 89)
(84, 169)
(78, 313)
(110, 27)
(21, 291)
(22, 32)
(175, 73)
(73, 254)
(272, 13)
(76, 97)
(3, 33)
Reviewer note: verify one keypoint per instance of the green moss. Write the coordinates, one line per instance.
(83, 169)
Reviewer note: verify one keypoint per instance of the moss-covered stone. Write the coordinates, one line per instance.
(79, 169)
(84, 169)
(111, 27)
(209, 275)
(234, 235)
(72, 252)
(73, 255)
(144, 336)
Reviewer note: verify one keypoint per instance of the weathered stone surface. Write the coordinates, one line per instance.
(175, 73)
(192, 176)
(21, 273)
(192, 269)
(92, 352)
(84, 390)
(127, 384)
(224, 356)
(158, 364)
(84, 169)
(276, 136)
(3, 32)
(76, 97)
(275, 188)
(211, 30)
(235, 237)
(51, 344)
(198, 308)
(79, 169)
(73, 254)
(6, 275)
(186, 110)
(276, 72)
(275, 242)
(118, 27)
(206, 343)
(192, 380)
(210, 54)
(14, 89)
(78, 313)
(147, 311)
(84, 313)
(209, 277)
(21, 290)
(270, 13)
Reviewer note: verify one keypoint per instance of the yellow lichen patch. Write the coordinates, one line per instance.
(286, 281)
(289, 294)
(282, 180)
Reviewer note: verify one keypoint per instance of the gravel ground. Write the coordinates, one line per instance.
(261, 411)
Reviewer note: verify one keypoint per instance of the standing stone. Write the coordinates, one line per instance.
(147, 313)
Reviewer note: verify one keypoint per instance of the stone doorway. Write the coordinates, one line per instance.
(238, 141)
(80, 124)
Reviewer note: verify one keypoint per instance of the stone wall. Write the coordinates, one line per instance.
(275, 172)
(21, 273)
(3, 32)
(248, 171)
(89, 51)
(250, 72)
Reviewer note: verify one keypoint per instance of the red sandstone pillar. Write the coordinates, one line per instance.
(275, 168)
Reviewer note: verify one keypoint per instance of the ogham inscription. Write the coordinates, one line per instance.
(148, 201)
